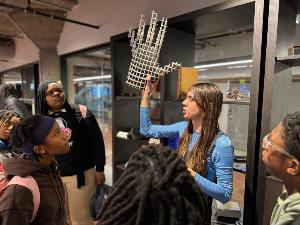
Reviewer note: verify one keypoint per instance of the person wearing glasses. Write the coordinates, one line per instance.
(82, 168)
(8, 120)
(281, 156)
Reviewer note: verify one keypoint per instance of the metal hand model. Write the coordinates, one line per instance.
(145, 54)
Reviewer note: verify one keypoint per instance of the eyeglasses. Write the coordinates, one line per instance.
(52, 91)
(266, 143)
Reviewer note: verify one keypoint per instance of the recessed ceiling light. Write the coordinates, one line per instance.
(237, 67)
(223, 64)
(92, 78)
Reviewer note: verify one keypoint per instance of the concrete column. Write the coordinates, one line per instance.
(69, 85)
(49, 64)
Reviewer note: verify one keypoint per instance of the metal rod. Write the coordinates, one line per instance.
(34, 12)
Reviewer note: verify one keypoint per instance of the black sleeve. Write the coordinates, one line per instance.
(96, 141)
(16, 205)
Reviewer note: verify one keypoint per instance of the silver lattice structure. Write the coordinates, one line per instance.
(145, 54)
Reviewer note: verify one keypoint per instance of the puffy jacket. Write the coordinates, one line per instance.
(16, 205)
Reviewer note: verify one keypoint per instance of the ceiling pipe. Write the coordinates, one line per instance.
(32, 11)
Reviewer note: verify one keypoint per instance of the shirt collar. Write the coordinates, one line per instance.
(50, 112)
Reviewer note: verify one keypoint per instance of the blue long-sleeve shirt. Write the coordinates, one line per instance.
(220, 162)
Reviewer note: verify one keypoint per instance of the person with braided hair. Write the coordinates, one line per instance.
(281, 156)
(207, 151)
(40, 139)
(155, 188)
(8, 120)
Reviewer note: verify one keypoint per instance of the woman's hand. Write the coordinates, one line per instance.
(150, 86)
(100, 178)
(192, 172)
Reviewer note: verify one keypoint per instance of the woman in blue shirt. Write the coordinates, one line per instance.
(207, 151)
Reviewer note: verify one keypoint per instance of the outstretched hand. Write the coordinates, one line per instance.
(150, 86)
(145, 54)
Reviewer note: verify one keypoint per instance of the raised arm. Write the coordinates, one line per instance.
(147, 92)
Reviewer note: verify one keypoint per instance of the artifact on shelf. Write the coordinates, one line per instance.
(294, 50)
(236, 94)
(145, 53)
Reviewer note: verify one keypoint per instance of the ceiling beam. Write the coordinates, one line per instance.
(32, 11)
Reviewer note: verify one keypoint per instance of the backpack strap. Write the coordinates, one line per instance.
(30, 183)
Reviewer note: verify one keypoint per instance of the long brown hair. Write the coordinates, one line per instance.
(209, 97)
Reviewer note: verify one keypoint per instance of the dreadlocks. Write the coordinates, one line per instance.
(23, 132)
(209, 97)
(155, 189)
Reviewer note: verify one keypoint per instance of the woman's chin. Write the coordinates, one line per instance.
(185, 116)
(66, 150)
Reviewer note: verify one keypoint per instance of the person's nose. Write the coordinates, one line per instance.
(57, 93)
(66, 133)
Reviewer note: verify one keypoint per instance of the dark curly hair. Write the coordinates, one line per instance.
(291, 126)
(154, 189)
(23, 132)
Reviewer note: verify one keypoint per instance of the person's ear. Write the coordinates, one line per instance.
(40, 149)
(293, 167)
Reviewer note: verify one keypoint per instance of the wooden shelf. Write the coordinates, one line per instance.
(290, 60)
(237, 102)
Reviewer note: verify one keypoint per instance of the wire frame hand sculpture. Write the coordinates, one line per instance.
(145, 54)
